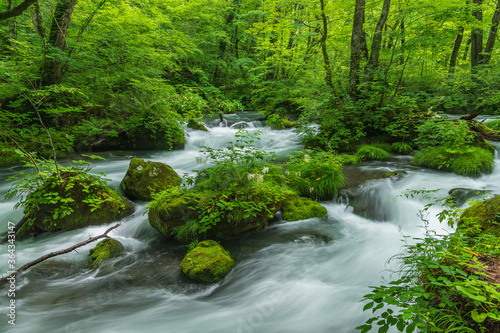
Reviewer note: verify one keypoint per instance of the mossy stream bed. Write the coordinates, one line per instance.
(302, 276)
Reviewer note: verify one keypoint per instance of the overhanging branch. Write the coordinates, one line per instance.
(16, 11)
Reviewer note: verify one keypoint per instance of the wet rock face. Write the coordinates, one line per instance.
(143, 178)
(460, 195)
(299, 208)
(208, 262)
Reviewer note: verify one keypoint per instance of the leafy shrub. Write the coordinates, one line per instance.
(448, 133)
(367, 152)
(443, 286)
(315, 174)
(278, 123)
(348, 159)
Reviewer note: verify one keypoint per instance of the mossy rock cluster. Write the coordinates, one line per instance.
(105, 249)
(144, 178)
(162, 136)
(168, 214)
(208, 262)
(75, 190)
(297, 208)
(482, 218)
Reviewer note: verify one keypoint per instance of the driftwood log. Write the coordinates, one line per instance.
(56, 253)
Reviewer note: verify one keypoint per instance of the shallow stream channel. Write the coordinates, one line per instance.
(304, 276)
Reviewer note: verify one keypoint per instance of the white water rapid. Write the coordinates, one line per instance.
(305, 276)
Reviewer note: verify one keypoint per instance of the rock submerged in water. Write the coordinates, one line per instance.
(105, 249)
(193, 124)
(143, 178)
(208, 262)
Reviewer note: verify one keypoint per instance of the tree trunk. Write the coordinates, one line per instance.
(456, 49)
(476, 38)
(52, 66)
(324, 51)
(16, 11)
(377, 42)
(492, 36)
(356, 47)
(36, 16)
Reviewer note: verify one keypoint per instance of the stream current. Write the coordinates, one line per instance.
(304, 276)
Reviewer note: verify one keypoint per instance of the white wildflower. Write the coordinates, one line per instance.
(234, 162)
(139, 168)
(287, 173)
(265, 170)
(297, 174)
(250, 176)
(311, 189)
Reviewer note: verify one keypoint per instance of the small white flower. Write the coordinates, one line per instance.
(139, 168)
(287, 173)
(250, 176)
(234, 162)
(297, 174)
(265, 170)
(311, 189)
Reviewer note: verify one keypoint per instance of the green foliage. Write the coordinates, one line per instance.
(401, 148)
(56, 187)
(369, 152)
(443, 284)
(315, 174)
(452, 134)
(466, 160)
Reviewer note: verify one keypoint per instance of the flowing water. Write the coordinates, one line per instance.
(304, 276)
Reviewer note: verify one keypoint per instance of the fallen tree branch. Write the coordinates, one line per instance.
(53, 254)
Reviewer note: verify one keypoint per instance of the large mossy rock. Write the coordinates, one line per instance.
(143, 178)
(208, 262)
(170, 212)
(105, 249)
(299, 208)
(482, 218)
(82, 201)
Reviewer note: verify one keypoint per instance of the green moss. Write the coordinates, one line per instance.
(485, 131)
(196, 125)
(143, 179)
(299, 208)
(482, 218)
(208, 262)
(493, 124)
(367, 152)
(103, 250)
(348, 159)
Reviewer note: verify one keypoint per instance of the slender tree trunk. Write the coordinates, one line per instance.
(456, 49)
(52, 67)
(356, 48)
(324, 51)
(476, 38)
(12, 24)
(466, 52)
(36, 16)
(377, 42)
(492, 36)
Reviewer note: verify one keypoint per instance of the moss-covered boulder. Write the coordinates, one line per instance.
(175, 213)
(483, 217)
(460, 195)
(144, 178)
(208, 262)
(299, 208)
(75, 200)
(105, 249)
(193, 124)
